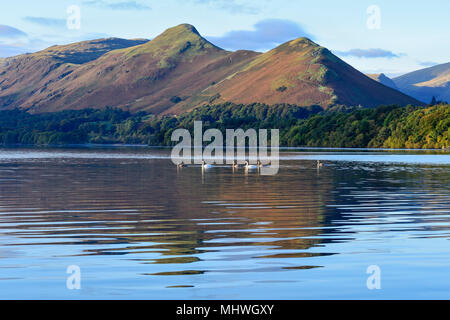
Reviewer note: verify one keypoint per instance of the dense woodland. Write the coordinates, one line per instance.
(386, 126)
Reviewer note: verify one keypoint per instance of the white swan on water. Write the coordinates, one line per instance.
(250, 166)
(205, 165)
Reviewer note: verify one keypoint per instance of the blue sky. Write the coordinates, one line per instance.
(390, 36)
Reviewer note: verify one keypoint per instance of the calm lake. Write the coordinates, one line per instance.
(139, 228)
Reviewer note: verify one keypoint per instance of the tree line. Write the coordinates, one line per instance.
(385, 126)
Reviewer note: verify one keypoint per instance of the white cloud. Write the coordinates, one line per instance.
(266, 34)
(369, 53)
(121, 5)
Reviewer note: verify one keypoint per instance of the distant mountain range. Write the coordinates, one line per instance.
(180, 70)
(422, 84)
(427, 83)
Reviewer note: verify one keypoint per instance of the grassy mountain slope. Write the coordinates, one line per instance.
(26, 76)
(304, 73)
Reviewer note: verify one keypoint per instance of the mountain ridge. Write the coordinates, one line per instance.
(180, 70)
(424, 84)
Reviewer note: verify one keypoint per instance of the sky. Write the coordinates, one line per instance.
(375, 36)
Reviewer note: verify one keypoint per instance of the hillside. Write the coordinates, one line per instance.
(180, 70)
(27, 76)
(383, 79)
(304, 73)
(427, 83)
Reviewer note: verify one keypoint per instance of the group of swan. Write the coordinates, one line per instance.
(235, 165)
(247, 165)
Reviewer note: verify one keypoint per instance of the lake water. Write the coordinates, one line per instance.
(139, 228)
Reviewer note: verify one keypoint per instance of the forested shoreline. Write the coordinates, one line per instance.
(383, 127)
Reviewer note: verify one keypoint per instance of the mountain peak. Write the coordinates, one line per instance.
(181, 32)
(380, 77)
(304, 42)
(383, 79)
(300, 45)
(184, 27)
(181, 37)
(182, 40)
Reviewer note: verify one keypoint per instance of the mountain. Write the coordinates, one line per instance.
(383, 79)
(26, 76)
(180, 70)
(303, 73)
(427, 83)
